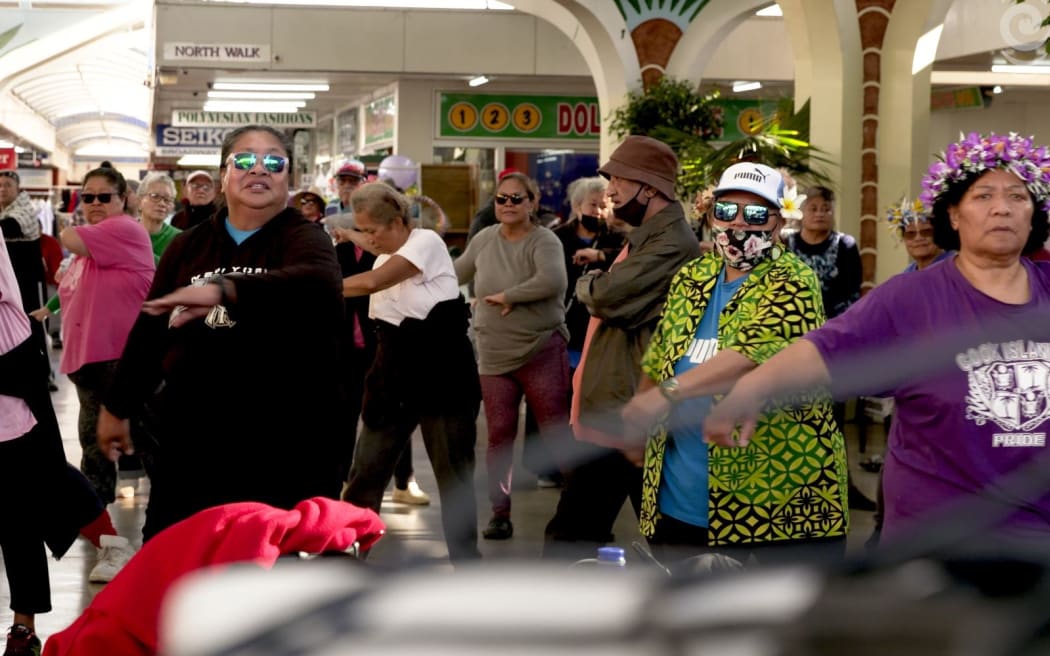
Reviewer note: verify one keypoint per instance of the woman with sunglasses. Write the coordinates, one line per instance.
(726, 313)
(156, 203)
(910, 221)
(229, 363)
(310, 204)
(518, 270)
(100, 295)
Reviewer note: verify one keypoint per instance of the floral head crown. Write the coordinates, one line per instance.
(906, 213)
(977, 153)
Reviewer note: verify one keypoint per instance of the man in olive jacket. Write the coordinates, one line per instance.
(625, 303)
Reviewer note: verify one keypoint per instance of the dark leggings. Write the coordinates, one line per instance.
(22, 541)
(92, 381)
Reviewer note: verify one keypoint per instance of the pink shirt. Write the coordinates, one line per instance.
(102, 293)
(15, 417)
(586, 433)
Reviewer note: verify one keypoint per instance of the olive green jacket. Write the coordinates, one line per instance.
(629, 298)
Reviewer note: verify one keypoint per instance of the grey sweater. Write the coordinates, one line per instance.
(531, 273)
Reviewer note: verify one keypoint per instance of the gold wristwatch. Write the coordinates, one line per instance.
(670, 389)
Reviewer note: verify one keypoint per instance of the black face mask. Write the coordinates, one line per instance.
(590, 223)
(632, 211)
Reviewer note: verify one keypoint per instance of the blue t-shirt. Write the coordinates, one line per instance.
(239, 235)
(683, 481)
(943, 256)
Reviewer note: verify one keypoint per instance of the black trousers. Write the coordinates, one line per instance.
(590, 502)
(450, 439)
(352, 390)
(22, 541)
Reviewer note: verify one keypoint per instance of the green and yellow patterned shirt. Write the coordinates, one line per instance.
(789, 483)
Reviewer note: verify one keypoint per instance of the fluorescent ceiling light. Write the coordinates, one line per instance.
(200, 161)
(261, 95)
(269, 86)
(1033, 69)
(253, 106)
(110, 149)
(740, 87)
(478, 81)
(771, 10)
(988, 79)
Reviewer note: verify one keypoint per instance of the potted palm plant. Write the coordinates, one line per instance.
(692, 123)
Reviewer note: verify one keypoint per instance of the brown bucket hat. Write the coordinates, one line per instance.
(644, 159)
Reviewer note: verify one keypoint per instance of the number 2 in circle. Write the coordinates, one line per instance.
(496, 116)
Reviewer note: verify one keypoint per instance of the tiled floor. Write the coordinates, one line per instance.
(412, 531)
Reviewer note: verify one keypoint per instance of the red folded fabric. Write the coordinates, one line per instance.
(123, 619)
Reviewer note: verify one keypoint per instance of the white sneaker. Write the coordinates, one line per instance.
(116, 551)
(412, 496)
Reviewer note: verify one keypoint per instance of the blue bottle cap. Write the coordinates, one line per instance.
(611, 555)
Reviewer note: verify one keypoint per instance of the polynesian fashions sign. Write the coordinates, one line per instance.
(200, 118)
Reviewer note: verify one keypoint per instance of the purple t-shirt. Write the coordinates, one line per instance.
(970, 410)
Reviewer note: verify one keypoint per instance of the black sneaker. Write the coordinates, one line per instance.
(857, 500)
(499, 528)
(22, 641)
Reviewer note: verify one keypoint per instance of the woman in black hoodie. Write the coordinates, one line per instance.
(230, 363)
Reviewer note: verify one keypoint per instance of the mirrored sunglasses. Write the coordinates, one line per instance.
(753, 214)
(513, 199)
(270, 162)
(102, 198)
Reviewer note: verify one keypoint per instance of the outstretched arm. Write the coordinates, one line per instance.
(797, 368)
(715, 376)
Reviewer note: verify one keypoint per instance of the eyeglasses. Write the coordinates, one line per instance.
(513, 199)
(753, 214)
(102, 198)
(201, 186)
(925, 233)
(246, 162)
(160, 198)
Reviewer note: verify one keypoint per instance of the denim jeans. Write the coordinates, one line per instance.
(449, 439)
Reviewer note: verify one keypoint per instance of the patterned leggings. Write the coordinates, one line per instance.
(544, 382)
(92, 381)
